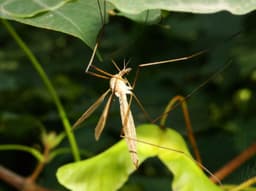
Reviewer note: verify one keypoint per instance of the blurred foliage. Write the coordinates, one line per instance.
(222, 112)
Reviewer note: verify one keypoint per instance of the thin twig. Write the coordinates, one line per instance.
(18, 181)
(236, 162)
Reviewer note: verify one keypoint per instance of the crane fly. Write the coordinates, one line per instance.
(120, 87)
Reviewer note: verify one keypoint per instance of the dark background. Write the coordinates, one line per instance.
(222, 112)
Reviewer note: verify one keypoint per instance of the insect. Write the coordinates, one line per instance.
(126, 116)
(120, 87)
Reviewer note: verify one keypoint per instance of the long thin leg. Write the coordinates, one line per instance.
(220, 70)
(136, 77)
(213, 176)
(102, 71)
(102, 16)
(174, 60)
(190, 133)
(92, 57)
(192, 55)
(137, 99)
(97, 75)
(141, 107)
(116, 66)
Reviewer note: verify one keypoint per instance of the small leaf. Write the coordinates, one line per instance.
(51, 140)
(111, 169)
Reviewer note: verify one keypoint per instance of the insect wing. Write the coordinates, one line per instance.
(91, 109)
(103, 118)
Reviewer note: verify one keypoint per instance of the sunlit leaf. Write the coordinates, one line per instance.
(111, 169)
(147, 16)
(195, 6)
(82, 19)
(16, 8)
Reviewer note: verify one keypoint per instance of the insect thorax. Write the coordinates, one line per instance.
(119, 85)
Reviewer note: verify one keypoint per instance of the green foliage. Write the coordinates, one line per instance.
(223, 112)
(111, 169)
(82, 19)
(195, 6)
(78, 18)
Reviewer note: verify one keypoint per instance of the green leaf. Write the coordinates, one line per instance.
(51, 140)
(16, 8)
(74, 17)
(195, 6)
(111, 169)
(82, 19)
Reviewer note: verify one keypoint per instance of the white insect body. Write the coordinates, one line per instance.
(119, 87)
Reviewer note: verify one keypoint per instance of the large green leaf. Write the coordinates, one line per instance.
(191, 6)
(81, 18)
(110, 169)
(78, 18)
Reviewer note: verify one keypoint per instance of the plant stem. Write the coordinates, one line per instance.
(49, 86)
(30, 150)
(40, 166)
(245, 184)
(18, 181)
(236, 162)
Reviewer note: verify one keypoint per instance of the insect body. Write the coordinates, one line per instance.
(119, 87)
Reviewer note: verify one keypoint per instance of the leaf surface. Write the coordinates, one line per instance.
(78, 18)
(194, 6)
(82, 19)
(109, 170)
